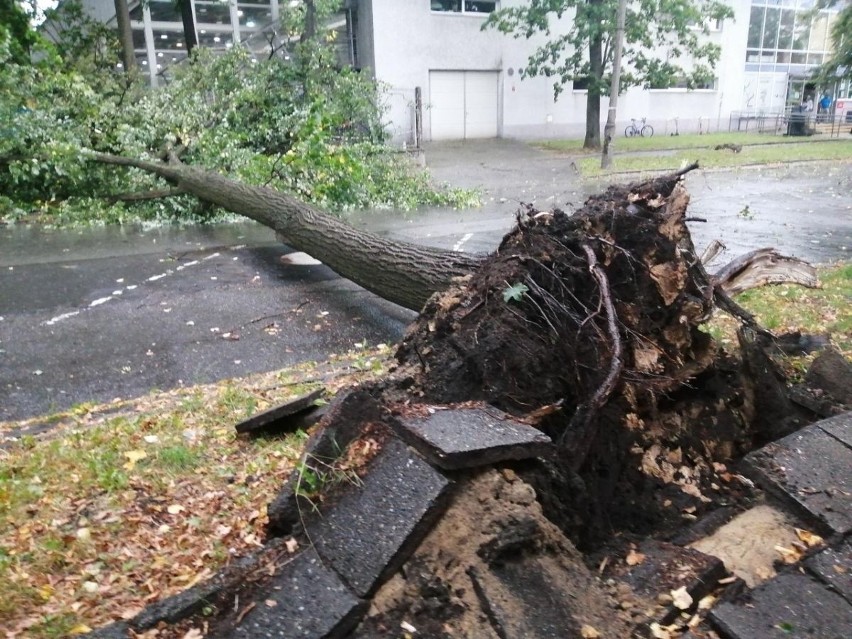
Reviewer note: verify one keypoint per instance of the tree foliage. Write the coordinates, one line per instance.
(839, 63)
(664, 45)
(297, 122)
(17, 37)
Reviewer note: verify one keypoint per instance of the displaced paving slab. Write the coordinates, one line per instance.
(369, 530)
(834, 567)
(456, 438)
(812, 470)
(304, 600)
(277, 418)
(792, 605)
(840, 426)
(656, 568)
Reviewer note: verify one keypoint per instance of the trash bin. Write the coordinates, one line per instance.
(797, 123)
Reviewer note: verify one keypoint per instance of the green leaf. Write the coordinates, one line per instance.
(515, 292)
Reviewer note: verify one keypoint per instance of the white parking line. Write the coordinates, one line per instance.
(460, 243)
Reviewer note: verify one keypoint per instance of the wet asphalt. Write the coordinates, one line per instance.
(88, 316)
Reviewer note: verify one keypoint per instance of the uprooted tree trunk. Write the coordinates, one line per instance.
(587, 326)
(403, 273)
(406, 274)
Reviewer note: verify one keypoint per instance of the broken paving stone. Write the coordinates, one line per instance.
(305, 599)
(345, 419)
(369, 529)
(791, 605)
(526, 598)
(284, 418)
(834, 567)
(812, 470)
(469, 437)
(831, 372)
(665, 568)
(840, 426)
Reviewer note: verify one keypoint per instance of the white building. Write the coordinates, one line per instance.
(470, 79)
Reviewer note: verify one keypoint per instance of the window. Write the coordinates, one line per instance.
(681, 83)
(464, 6)
(581, 84)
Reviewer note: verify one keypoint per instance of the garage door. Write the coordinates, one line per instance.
(463, 104)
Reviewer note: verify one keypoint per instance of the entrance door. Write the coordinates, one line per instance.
(463, 104)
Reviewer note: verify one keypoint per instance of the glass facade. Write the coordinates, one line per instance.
(787, 39)
(464, 6)
(159, 41)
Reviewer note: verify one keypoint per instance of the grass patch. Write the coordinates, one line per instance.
(786, 308)
(122, 504)
(674, 151)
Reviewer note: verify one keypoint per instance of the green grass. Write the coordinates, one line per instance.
(787, 307)
(664, 153)
(143, 497)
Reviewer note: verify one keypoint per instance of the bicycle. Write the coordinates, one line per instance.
(646, 130)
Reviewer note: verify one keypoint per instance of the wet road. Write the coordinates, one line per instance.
(103, 313)
(91, 317)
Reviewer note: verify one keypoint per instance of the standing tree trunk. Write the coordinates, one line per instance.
(406, 274)
(125, 35)
(310, 28)
(189, 35)
(593, 96)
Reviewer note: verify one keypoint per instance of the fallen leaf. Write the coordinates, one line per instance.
(134, 456)
(174, 509)
(658, 632)
(589, 632)
(634, 558)
(788, 555)
(193, 633)
(810, 539)
(681, 599)
(79, 629)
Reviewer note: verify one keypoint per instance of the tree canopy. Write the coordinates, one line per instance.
(664, 45)
(291, 119)
(17, 37)
(839, 63)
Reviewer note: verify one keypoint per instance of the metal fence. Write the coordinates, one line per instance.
(793, 121)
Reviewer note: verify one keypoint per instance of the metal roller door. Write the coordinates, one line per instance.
(463, 104)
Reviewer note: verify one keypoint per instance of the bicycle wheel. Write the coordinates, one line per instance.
(647, 131)
(630, 131)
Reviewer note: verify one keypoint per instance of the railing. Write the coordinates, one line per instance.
(792, 121)
(757, 122)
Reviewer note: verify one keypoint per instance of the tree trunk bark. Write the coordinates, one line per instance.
(406, 274)
(125, 35)
(189, 35)
(593, 96)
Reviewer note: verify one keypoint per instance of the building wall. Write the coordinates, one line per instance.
(410, 40)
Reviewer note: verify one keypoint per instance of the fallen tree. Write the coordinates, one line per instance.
(587, 326)
(406, 274)
(573, 321)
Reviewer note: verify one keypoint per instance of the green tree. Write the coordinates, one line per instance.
(663, 45)
(839, 64)
(16, 32)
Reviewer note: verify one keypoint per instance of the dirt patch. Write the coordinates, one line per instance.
(495, 567)
(748, 543)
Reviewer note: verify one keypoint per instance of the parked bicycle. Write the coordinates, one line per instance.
(645, 130)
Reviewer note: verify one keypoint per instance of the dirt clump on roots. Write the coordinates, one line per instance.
(589, 326)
